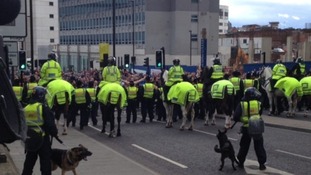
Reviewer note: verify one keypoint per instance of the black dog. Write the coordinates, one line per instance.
(226, 149)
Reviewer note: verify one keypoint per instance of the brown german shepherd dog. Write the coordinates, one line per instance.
(226, 149)
(68, 160)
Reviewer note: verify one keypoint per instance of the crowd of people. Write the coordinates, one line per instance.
(142, 91)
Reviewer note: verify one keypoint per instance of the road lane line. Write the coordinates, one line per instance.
(212, 134)
(159, 156)
(97, 129)
(293, 154)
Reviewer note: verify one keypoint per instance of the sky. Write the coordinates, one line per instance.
(289, 13)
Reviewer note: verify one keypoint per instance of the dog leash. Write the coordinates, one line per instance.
(59, 140)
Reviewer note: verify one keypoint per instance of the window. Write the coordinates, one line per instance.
(51, 28)
(220, 24)
(51, 3)
(244, 41)
(221, 13)
(194, 37)
(220, 31)
(51, 16)
(52, 40)
(194, 18)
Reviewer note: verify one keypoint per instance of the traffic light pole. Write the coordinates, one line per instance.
(163, 57)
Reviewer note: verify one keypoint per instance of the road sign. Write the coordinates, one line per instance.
(18, 27)
(13, 52)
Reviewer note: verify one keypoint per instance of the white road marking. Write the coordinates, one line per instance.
(252, 167)
(293, 154)
(212, 134)
(159, 156)
(97, 129)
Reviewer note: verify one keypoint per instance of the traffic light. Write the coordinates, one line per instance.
(159, 59)
(127, 60)
(22, 60)
(146, 62)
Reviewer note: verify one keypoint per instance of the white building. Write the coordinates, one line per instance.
(223, 19)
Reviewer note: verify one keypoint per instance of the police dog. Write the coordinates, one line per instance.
(225, 149)
(68, 160)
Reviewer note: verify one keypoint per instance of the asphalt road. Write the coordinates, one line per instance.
(171, 151)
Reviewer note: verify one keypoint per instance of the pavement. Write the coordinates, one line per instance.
(107, 161)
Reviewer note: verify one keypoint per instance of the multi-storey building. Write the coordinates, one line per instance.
(175, 25)
(223, 19)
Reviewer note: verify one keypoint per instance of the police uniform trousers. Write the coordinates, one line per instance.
(160, 110)
(147, 105)
(199, 109)
(108, 115)
(244, 147)
(84, 114)
(44, 154)
(93, 113)
(131, 109)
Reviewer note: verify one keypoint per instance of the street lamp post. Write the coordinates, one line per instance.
(190, 31)
(133, 26)
(114, 26)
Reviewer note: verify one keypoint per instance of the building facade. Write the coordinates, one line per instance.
(45, 27)
(175, 25)
(223, 19)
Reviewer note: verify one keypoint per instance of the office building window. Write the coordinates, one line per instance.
(51, 3)
(51, 16)
(194, 18)
(51, 28)
(194, 37)
(220, 24)
(52, 40)
(244, 41)
(220, 31)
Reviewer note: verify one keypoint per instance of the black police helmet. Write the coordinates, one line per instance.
(251, 93)
(38, 94)
(176, 62)
(216, 61)
(52, 56)
(111, 60)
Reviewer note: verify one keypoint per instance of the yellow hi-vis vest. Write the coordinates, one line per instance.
(92, 92)
(236, 83)
(199, 88)
(254, 108)
(248, 83)
(161, 93)
(279, 71)
(18, 90)
(52, 71)
(31, 86)
(111, 74)
(34, 116)
(302, 69)
(217, 72)
(174, 75)
(148, 90)
(132, 92)
(80, 95)
(306, 85)
(61, 97)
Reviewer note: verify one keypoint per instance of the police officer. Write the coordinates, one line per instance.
(199, 106)
(299, 69)
(41, 125)
(238, 85)
(92, 90)
(147, 104)
(131, 102)
(250, 106)
(249, 81)
(82, 103)
(29, 86)
(174, 76)
(279, 71)
(215, 73)
(18, 91)
(160, 109)
(50, 70)
(111, 73)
